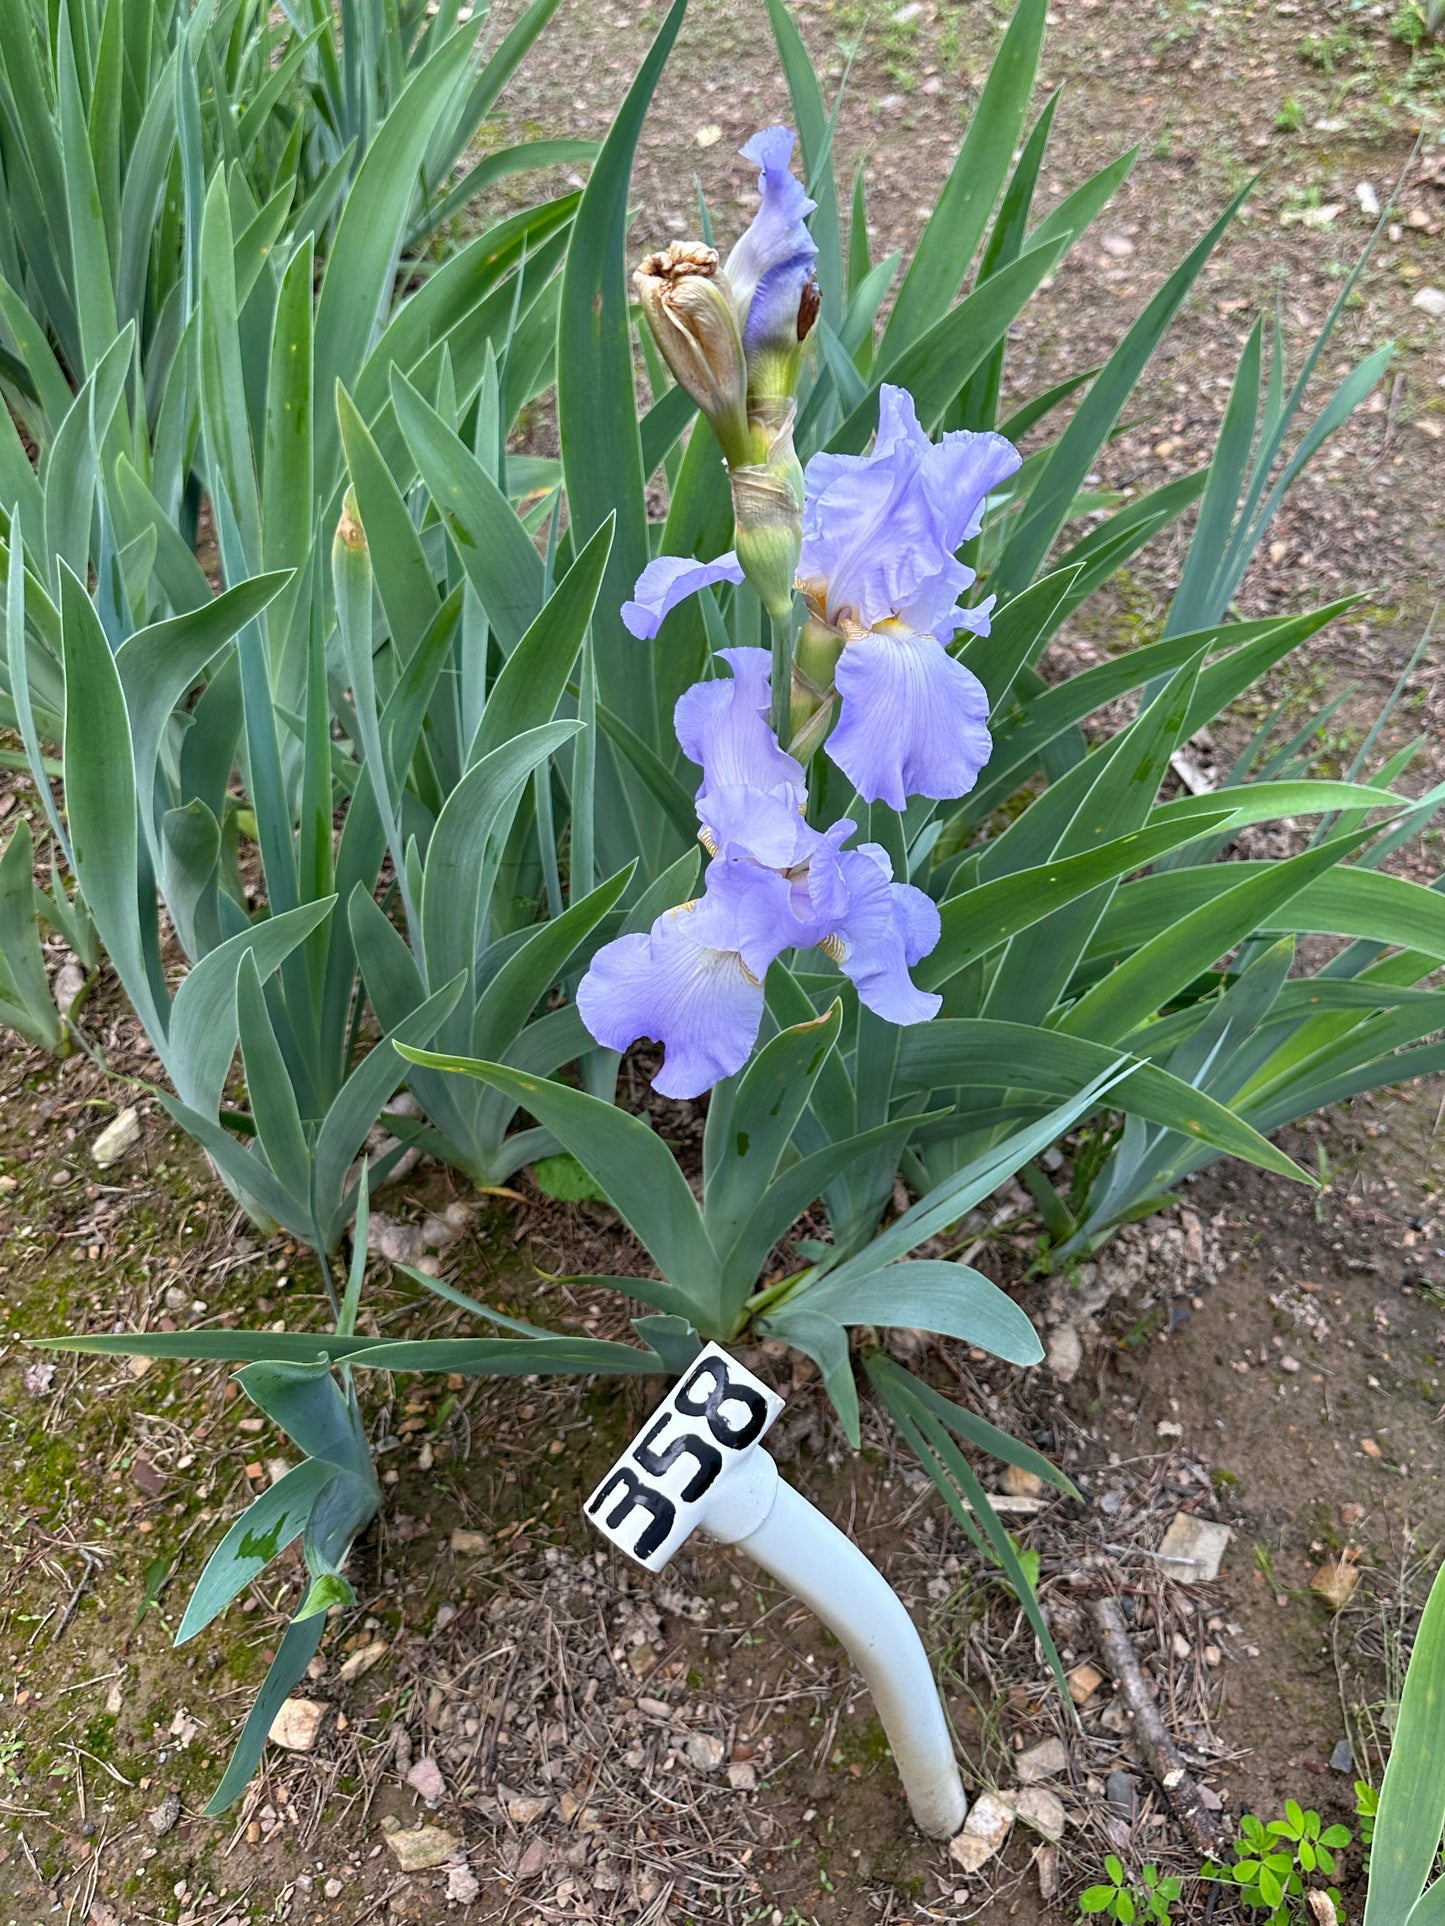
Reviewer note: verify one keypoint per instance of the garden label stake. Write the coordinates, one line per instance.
(697, 1465)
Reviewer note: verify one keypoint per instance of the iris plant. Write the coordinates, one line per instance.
(694, 981)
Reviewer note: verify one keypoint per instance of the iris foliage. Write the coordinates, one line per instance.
(416, 796)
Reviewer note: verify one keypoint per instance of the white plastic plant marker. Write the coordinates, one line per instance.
(697, 1465)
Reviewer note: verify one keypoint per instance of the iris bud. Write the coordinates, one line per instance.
(768, 514)
(691, 317)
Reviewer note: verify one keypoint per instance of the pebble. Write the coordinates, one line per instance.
(1122, 1793)
(463, 1886)
(1289, 1364)
(989, 1822)
(1083, 1682)
(426, 1778)
(743, 1776)
(1041, 1809)
(362, 1661)
(297, 1723)
(1430, 301)
(117, 1140)
(420, 1851)
(533, 1860)
(166, 1815)
(1342, 1759)
(1119, 246)
(470, 1544)
(1046, 1760)
(522, 1808)
(1193, 1548)
(703, 1751)
(333, 1888)
(1368, 199)
(1065, 1352)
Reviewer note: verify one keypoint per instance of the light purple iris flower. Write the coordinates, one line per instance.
(694, 981)
(879, 567)
(773, 261)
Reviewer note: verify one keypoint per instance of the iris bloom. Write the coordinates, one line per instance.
(695, 980)
(883, 583)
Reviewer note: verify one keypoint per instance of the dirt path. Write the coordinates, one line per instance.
(692, 1748)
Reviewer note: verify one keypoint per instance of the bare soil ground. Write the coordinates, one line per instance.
(694, 1748)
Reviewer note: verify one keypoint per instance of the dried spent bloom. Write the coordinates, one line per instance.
(694, 323)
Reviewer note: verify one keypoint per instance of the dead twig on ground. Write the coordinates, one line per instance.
(1149, 1728)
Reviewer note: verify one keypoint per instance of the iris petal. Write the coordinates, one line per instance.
(700, 1003)
(887, 928)
(723, 727)
(772, 262)
(880, 530)
(670, 580)
(912, 721)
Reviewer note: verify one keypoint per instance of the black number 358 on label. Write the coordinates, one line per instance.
(655, 1496)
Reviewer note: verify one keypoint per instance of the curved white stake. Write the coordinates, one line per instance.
(697, 1465)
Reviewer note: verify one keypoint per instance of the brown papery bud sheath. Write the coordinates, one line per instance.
(692, 321)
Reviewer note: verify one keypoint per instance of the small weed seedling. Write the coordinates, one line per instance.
(1121, 1899)
(1276, 1863)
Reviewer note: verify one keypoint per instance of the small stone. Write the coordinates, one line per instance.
(420, 1851)
(1213, 1655)
(470, 1544)
(1117, 246)
(703, 1752)
(1065, 1352)
(117, 1140)
(906, 15)
(1048, 1864)
(1287, 1363)
(166, 1815)
(989, 1822)
(1016, 1482)
(333, 1888)
(359, 1662)
(1351, 1514)
(1041, 1809)
(463, 1886)
(60, 1176)
(426, 1778)
(445, 1615)
(68, 984)
(1046, 1760)
(297, 1723)
(1342, 1759)
(1371, 1449)
(533, 1860)
(524, 1808)
(708, 136)
(1430, 301)
(1368, 199)
(743, 1776)
(1193, 1548)
(1122, 1793)
(1169, 1428)
(37, 1378)
(1083, 1682)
